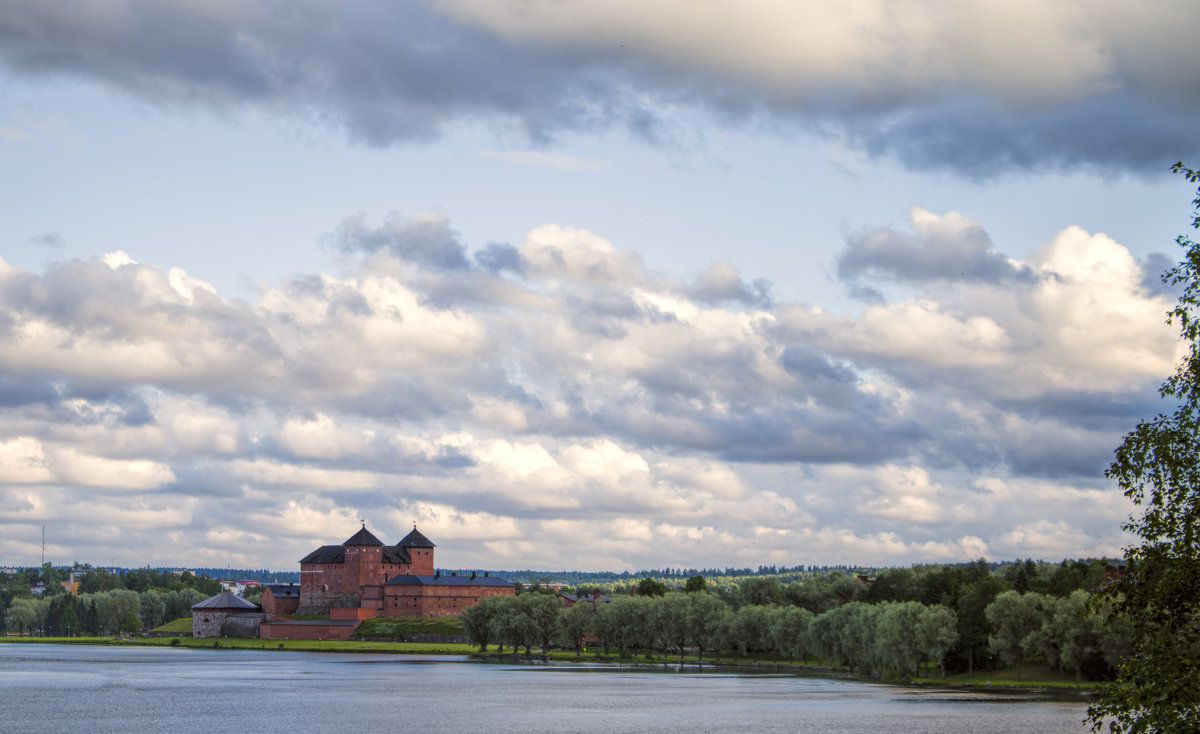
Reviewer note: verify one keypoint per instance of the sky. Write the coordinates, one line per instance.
(583, 285)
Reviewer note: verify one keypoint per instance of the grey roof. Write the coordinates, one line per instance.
(225, 600)
(326, 554)
(416, 540)
(396, 554)
(337, 554)
(363, 537)
(281, 591)
(443, 580)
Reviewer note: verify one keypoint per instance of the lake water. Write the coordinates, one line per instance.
(68, 688)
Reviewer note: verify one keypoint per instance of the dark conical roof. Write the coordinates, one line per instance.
(415, 540)
(363, 537)
(225, 600)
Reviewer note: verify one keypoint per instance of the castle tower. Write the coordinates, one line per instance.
(420, 550)
(363, 560)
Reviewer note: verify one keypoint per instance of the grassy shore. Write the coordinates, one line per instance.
(240, 643)
(1032, 676)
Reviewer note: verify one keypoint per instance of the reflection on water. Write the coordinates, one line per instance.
(99, 689)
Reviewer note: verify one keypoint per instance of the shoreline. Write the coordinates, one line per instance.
(471, 653)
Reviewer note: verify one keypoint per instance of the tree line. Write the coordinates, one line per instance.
(104, 602)
(967, 617)
(101, 614)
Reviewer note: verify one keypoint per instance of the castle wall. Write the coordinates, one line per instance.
(360, 613)
(326, 585)
(422, 561)
(321, 602)
(328, 578)
(435, 600)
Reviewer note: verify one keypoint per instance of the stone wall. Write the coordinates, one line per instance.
(242, 625)
(207, 624)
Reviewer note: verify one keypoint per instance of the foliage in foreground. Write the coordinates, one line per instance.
(1158, 467)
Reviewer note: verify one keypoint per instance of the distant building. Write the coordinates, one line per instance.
(71, 585)
(280, 599)
(377, 580)
(596, 598)
(226, 615)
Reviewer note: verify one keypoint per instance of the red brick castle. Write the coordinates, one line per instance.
(364, 578)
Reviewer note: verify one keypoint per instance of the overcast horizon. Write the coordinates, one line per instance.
(594, 286)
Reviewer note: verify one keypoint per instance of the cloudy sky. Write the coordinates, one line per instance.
(594, 285)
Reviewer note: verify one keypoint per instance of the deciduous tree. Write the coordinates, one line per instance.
(1158, 467)
(1072, 632)
(574, 623)
(937, 630)
(1017, 620)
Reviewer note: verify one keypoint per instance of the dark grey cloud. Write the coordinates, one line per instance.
(1114, 134)
(386, 73)
(959, 251)
(406, 397)
(102, 403)
(51, 240)
(426, 240)
(498, 257)
(27, 389)
(603, 312)
(1154, 267)
(1097, 410)
(400, 73)
(721, 282)
(786, 431)
(1068, 437)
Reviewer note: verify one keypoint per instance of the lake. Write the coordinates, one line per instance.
(66, 688)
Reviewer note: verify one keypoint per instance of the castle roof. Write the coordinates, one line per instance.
(337, 554)
(326, 554)
(281, 591)
(225, 600)
(396, 554)
(444, 580)
(416, 540)
(363, 537)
